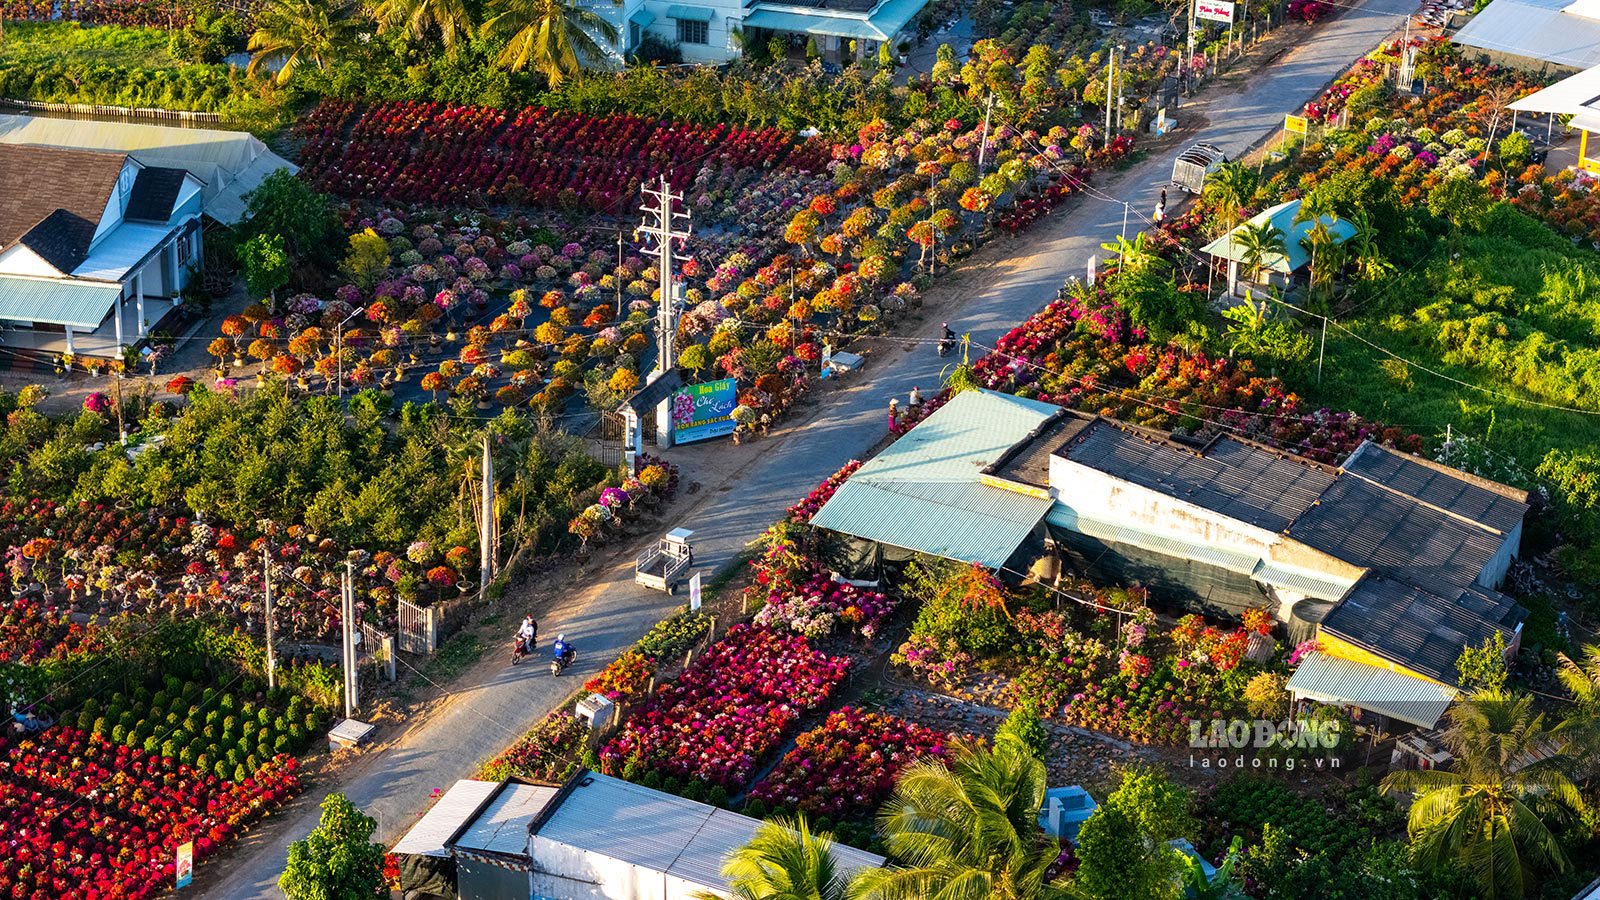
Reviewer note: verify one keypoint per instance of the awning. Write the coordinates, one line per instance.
(963, 522)
(690, 13)
(56, 302)
(1568, 96)
(1329, 679)
(881, 23)
(642, 17)
(458, 805)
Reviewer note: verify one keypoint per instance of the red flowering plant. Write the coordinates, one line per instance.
(625, 678)
(816, 605)
(548, 752)
(727, 711)
(846, 767)
(83, 819)
(822, 493)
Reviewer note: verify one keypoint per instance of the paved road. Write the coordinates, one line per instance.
(745, 488)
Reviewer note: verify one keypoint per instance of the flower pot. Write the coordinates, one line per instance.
(483, 404)
(434, 341)
(238, 362)
(464, 586)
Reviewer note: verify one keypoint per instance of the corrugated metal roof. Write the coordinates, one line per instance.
(57, 302)
(1424, 631)
(966, 522)
(1439, 486)
(659, 831)
(1294, 233)
(503, 826)
(1328, 679)
(427, 837)
(1570, 96)
(1368, 526)
(1266, 489)
(231, 163)
(923, 493)
(1311, 584)
(128, 245)
(882, 23)
(1535, 29)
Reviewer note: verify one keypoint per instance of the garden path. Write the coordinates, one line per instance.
(746, 487)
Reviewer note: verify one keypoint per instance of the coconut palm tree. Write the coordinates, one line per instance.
(1258, 243)
(1229, 190)
(1134, 255)
(784, 861)
(1582, 678)
(452, 18)
(967, 829)
(555, 37)
(296, 33)
(1494, 809)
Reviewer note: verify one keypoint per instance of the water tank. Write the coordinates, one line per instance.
(597, 711)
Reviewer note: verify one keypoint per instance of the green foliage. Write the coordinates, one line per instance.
(672, 637)
(1153, 300)
(1515, 148)
(266, 266)
(366, 258)
(338, 860)
(289, 208)
(1483, 668)
(1024, 726)
(65, 62)
(1463, 202)
(1160, 808)
(1116, 859)
(947, 615)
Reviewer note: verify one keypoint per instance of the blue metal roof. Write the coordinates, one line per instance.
(1282, 219)
(924, 492)
(881, 23)
(690, 13)
(56, 302)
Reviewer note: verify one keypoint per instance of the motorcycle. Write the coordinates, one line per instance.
(521, 648)
(945, 346)
(560, 663)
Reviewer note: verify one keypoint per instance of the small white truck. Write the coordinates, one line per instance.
(1190, 169)
(665, 565)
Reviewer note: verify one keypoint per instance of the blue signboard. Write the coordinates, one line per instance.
(702, 411)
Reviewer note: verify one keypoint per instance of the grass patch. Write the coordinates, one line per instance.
(458, 653)
(113, 65)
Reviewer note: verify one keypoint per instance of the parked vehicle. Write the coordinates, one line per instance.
(665, 565)
(1192, 166)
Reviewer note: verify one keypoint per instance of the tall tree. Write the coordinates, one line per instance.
(450, 18)
(1258, 243)
(1494, 810)
(554, 37)
(295, 33)
(784, 861)
(967, 829)
(1230, 189)
(338, 859)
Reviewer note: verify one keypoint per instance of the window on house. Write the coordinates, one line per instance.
(690, 32)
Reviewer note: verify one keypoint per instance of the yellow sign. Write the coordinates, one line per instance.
(1294, 124)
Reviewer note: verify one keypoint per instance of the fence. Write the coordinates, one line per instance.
(419, 628)
(378, 649)
(88, 111)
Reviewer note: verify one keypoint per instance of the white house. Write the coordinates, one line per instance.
(94, 246)
(593, 838)
(716, 31)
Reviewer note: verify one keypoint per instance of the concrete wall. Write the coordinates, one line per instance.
(1096, 495)
(484, 881)
(1495, 572)
(719, 46)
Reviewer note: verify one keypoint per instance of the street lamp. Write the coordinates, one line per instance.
(338, 346)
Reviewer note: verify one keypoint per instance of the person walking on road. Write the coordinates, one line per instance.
(1161, 206)
(894, 413)
(914, 402)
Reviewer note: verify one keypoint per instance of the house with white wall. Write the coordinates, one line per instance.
(95, 246)
(1390, 561)
(717, 31)
(592, 837)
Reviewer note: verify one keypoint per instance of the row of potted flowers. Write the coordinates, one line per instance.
(85, 820)
(727, 711)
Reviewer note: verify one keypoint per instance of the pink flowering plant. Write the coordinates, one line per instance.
(847, 766)
(727, 711)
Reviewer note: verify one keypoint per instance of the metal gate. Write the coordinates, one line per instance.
(419, 628)
(377, 649)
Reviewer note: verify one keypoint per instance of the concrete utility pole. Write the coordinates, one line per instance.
(983, 145)
(347, 616)
(666, 224)
(486, 522)
(1188, 61)
(266, 575)
(1111, 71)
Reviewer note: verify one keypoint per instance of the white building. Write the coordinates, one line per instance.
(716, 31)
(94, 246)
(101, 225)
(592, 838)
